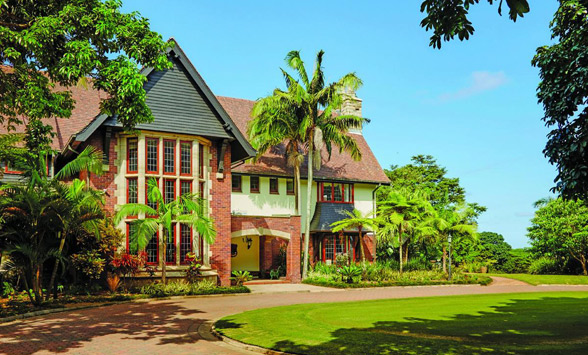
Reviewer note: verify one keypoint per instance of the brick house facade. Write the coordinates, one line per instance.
(213, 130)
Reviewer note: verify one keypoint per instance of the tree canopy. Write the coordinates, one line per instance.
(50, 45)
(425, 175)
(560, 229)
(448, 19)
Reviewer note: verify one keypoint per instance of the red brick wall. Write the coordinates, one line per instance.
(105, 182)
(220, 204)
(369, 247)
(289, 225)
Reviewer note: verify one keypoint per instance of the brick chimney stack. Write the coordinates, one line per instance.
(351, 106)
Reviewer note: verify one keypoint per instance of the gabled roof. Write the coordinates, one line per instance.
(87, 107)
(340, 167)
(181, 102)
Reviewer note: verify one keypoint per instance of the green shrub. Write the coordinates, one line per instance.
(179, 288)
(350, 272)
(544, 266)
(416, 264)
(386, 277)
(241, 277)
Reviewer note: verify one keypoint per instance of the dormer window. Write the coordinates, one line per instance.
(335, 192)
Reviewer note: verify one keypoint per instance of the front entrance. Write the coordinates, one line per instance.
(263, 256)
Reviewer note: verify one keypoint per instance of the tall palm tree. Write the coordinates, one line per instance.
(454, 221)
(275, 122)
(314, 105)
(401, 215)
(356, 220)
(187, 209)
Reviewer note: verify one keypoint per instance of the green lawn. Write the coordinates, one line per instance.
(547, 279)
(547, 323)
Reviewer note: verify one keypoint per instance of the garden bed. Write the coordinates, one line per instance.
(383, 275)
(466, 280)
(20, 303)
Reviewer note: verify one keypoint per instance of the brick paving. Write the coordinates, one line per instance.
(171, 326)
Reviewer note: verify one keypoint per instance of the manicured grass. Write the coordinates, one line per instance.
(528, 323)
(547, 279)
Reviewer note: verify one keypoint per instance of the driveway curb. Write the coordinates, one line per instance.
(207, 329)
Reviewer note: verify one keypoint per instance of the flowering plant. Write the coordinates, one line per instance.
(194, 266)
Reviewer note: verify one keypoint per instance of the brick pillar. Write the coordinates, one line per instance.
(220, 211)
(369, 247)
(293, 251)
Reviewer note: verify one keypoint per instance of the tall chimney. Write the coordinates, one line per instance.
(351, 106)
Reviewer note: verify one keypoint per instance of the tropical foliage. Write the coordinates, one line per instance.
(559, 231)
(68, 43)
(306, 114)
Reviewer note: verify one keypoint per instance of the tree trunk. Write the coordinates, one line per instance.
(444, 258)
(400, 248)
(298, 197)
(583, 262)
(405, 253)
(308, 209)
(361, 246)
(163, 264)
(56, 266)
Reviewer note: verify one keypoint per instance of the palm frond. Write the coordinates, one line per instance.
(90, 160)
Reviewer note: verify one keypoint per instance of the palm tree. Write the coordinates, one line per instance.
(314, 104)
(454, 221)
(79, 210)
(187, 209)
(356, 220)
(401, 216)
(28, 220)
(275, 122)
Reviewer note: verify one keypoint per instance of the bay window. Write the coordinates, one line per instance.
(182, 168)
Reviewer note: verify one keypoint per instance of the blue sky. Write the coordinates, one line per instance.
(472, 105)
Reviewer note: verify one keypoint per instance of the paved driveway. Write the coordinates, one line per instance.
(171, 326)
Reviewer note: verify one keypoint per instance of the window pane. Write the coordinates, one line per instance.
(290, 186)
(151, 249)
(201, 160)
(339, 246)
(273, 185)
(348, 190)
(170, 249)
(132, 155)
(185, 187)
(152, 154)
(201, 190)
(169, 156)
(254, 184)
(327, 191)
(186, 157)
(329, 248)
(170, 190)
(185, 241)
(337, 193)
(236, 181)
(132, 196)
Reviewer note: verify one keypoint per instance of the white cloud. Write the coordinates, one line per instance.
(480, 81)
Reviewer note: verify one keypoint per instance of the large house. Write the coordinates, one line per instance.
(198, 143)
